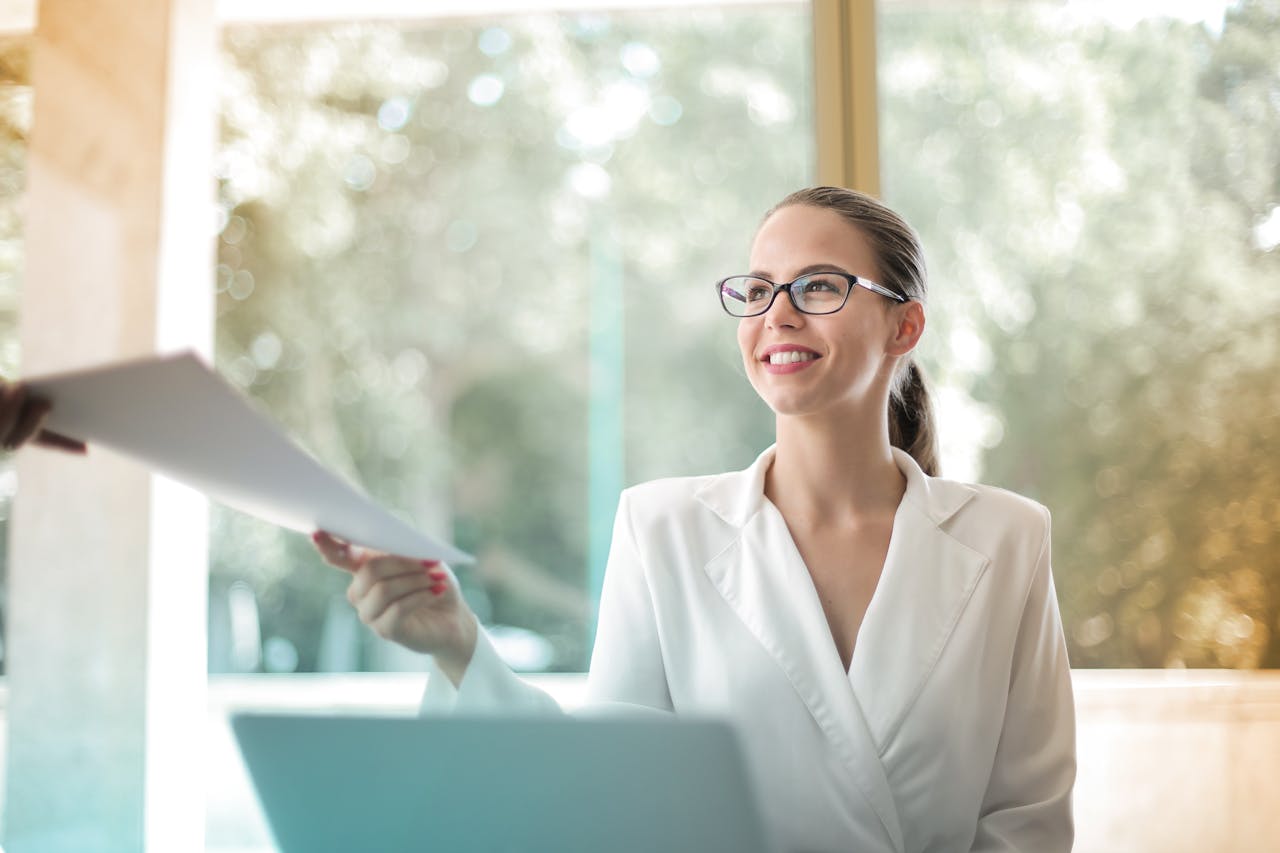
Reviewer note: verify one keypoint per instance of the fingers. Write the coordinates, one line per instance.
(383, 586)
(391, 623)
(335, 552)
(13, 396)
(382, 599)
(57, 441)
(383, 567)
(21, 418)
(27, 421)
(439, 579)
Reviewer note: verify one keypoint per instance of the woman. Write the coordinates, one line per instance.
(887, 643)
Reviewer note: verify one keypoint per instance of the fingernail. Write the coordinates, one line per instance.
(437, 590)
(430, 562)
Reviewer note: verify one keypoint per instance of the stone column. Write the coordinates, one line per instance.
(108, 567)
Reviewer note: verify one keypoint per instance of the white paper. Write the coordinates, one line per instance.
(177, 417)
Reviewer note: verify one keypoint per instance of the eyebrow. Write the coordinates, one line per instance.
(812, 268)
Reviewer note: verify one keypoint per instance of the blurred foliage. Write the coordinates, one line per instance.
(1101, 206)
(1100, 203)
(414, 222)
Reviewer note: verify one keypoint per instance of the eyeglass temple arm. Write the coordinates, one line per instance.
(883, 291)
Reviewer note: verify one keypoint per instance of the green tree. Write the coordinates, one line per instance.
(1089, 194)
(414, 217)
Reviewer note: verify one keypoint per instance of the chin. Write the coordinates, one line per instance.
(794, 411)
(804, 402)
(781, 401)
(791, 405)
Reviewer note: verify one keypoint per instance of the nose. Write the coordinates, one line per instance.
(782, 313)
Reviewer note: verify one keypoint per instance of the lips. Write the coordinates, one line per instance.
(787, 353)
(782, 359)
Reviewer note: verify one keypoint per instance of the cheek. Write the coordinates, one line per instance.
(859, 336)
(746, 338)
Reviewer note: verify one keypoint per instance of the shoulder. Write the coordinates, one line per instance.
(676, 515)
(1001, 524)
(1015, 509)
(666, 497)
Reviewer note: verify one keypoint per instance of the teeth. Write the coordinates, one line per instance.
(790, 357)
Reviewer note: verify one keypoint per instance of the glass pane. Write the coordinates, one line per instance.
(454, 254)
(1098, 189)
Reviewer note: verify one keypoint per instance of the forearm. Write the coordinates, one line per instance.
(453, 660)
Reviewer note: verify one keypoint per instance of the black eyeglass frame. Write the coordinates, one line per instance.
(853, 280)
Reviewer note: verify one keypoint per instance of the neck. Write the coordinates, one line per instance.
(835, 469)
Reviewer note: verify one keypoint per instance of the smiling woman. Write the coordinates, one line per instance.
(834, 561)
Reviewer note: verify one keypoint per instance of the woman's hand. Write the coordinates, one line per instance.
(415, 603)
(21, 416)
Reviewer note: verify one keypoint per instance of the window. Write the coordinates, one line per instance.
(454, 254)
(1098, 190)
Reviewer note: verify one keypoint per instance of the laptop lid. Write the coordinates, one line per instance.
(501, 784)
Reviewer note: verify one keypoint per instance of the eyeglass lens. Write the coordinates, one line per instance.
(820, 293)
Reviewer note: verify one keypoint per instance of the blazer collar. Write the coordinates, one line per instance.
(926, 573)
(739, 495)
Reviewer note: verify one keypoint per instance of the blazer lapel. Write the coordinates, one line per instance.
(763, 578)
(927, 580)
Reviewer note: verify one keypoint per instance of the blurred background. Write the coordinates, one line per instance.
(468, 263)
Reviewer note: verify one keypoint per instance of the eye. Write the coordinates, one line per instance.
(759, 293)
(820, 285)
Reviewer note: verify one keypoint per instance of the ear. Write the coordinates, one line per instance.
(909, 317)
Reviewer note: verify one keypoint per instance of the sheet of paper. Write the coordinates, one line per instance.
(179, 418)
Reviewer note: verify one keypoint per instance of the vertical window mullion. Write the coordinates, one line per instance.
(844, 80)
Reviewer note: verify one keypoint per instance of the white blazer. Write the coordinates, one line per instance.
(954, 728)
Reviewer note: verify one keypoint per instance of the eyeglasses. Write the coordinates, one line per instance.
(816, 293)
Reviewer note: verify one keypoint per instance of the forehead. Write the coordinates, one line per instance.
(800, 236)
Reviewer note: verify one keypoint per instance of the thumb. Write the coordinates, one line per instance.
(336, 552)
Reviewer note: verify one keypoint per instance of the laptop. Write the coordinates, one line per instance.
(501, 784)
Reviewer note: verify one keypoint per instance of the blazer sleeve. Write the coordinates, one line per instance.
(627, 669)
(1027, 804)
(626, 664)
(488, 686)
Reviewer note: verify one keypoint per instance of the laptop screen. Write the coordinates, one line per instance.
(355, 783)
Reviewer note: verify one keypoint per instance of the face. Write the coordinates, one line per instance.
(849, 355)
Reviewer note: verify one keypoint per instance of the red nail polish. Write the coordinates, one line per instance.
(437, 590)
(430, 562)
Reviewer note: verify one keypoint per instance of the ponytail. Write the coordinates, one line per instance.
(900, 267)
(911, 422)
